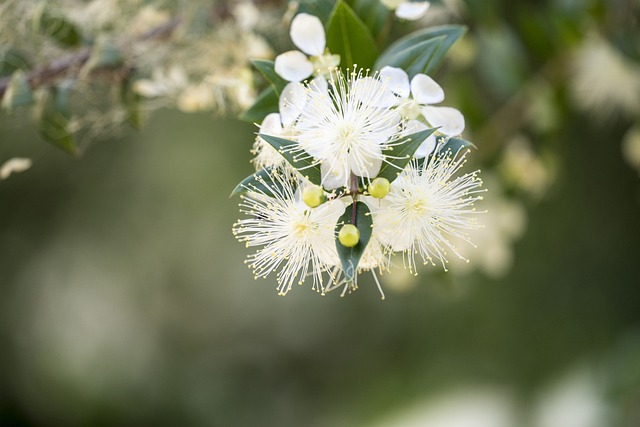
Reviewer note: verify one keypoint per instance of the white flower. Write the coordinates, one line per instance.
(408, 10)
(162, 83)
(307, 33)
(415, 100)
(293, 239)
(426, 207)
(266, 155)
(344, 128)
(14, 165)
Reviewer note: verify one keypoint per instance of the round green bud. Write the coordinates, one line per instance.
(379, 188)
(313, 196)
(349, 235)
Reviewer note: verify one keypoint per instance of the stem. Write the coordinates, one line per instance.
(354, 193)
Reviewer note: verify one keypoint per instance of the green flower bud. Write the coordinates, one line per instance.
(349, 235)
(379, 188)
(313, 196)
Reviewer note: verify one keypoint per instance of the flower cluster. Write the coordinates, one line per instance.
(355, 168)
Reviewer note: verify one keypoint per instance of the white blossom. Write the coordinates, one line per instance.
(411, 11)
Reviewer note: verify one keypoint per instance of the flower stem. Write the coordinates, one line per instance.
(354, 193)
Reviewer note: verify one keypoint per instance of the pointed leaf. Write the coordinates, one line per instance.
(266, 103)
(53, 114)
(350, 257)
(266, 68)
(350, 38)
(18, 93)
(296, 157)
(320, 8)
(421, 51)
(58, 28)
(404, 151)
(261, 182)
(373, 14)
(453, 144)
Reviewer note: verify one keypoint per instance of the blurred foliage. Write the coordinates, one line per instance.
(123, 300)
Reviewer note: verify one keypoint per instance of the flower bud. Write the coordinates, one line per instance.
(313, 196)
(379, 188)
(349, 235)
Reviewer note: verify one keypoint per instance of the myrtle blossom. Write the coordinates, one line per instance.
(415, 101)
(409, 10)
(342, 127)
(265, 155)
(307, 33)
(292, 239)
(427, 208)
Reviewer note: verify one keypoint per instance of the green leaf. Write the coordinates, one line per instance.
(350, 257)
(18, 93)
(372, 13)
(320, 8)
(301, 161)
(267, 69)
(261, 182)
(103, 54)
(409, 144)
(58, 29)
(266, 103)
(12, 60)
(53, 113)
(350, 38)
(452, 144)
(421, 51)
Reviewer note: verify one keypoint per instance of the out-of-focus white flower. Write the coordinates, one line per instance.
(147, 18)
(415, 100)
(307, 33)
(15, 165)
(343, 127)
(246, 15)
(427, 209)
(411, 11)
(524, 169)
(196, 98)
(604, 81)
(162, 83)
(293, 239)
(631, 147)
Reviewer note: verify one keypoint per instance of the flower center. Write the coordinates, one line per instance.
(346, 137)
(409, 109)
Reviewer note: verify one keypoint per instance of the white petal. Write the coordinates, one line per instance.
(307, 33)
(372, 92)
(292, 100)
(449, 120)
(271, 124)
(332, 178)
(397, 81)
(368, 166)
(14, 165)
(426, 147)
(293, 66)
(425, 90)
(412, 11)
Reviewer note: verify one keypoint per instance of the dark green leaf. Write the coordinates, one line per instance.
(301, 161)
(266, 68)
(18, 93)
(266, 103)
(320, 8)
(372, 13)
(261, 182)
(53, 113)
(12, 60)
(59, 29)
(421, 51)
(350, 38)
(409, 144)
(452, 144)
(350, 257)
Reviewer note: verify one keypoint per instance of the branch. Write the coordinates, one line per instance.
(74, 62)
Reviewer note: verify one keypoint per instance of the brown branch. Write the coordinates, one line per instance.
(74, 61)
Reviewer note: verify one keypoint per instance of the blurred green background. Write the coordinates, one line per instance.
(124, 299)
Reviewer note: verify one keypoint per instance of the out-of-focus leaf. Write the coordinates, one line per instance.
(18, 93)
(300, 161)
(402, 154)
(266, 68)
(12, 60)
(421, 51)
(266, 103)
(350, 257)
(350, 38)
(372, 13)
(261, 182)
(57, 28)
(103, 54)
(131, 101)
(53, 114)
(320, 8)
